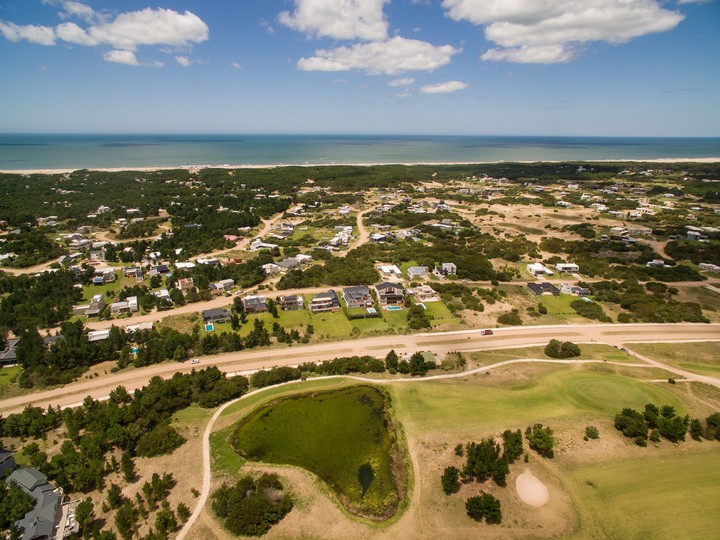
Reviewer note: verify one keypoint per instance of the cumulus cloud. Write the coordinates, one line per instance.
(338, 19)
(395, 83)
(443, 87)
(125, 33)
(184, 61)
(391, 57)
(42, 35)
(547, 31)
(121, 57)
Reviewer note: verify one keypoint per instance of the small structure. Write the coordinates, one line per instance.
(103, 276)
(217, 315)
(271, 269)
(448, 269)
(538, 270)
(129, 305)
(223, 285)
(390, 294)
(8, 357)
(543, 288)
(98, 335)
(292, 303)
(254, 304)
(7, 462)
(357, 297)
(655, 263)
(96, 307)
(185, 284)
(327, 301)
(389, 271)
(424, 293)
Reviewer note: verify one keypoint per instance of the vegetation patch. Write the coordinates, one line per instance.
(703, 358)
(346, 437)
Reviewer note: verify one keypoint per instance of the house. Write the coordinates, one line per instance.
(223, 285)
(575, 290)
(132, 328)
(303, 259)
(538, 269)
(185, 284)
(655, 263)
(258, 244)
(98, 335)
(709, 266)
(543, 288)
(96, 307)
(389, 271)
(271, 269)
(357, 297)
(389, 294)
(254, 304)
(103, 275)
(415, 272)
(159, 269)
(129, 305)
(424, 293)
(288, 264)
(97, 255)
(567, 267)
(327, 301)
(162, 294)
(217, 315)
(448, 269)
(42, 520)
(209, 261)
(8, 357)
(291, 303)
(7, 462)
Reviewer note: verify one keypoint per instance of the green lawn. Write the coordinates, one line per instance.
(702, 358)
(559, 306)
(439, 314)
(593, 351)
(340, 435)
(121, 281)
(8, 375)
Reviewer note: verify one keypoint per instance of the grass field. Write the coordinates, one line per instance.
(439, 314)
(702, 358)
(8, 375)
(340, 435)
(593, 351)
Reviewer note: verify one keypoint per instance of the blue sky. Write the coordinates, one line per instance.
(486, 67)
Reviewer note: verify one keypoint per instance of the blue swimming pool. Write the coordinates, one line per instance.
(371, 310)
(393, 308)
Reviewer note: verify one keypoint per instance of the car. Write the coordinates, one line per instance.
(486, 332)
(195, 361)
(623, 349)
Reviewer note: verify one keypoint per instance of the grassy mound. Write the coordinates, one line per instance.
(344, 436)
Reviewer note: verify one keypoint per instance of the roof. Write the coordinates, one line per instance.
(357, 290)
(387, 285)
(5, 455)
(328, 294)
(254, 300)
(40, 521)
(211, 313)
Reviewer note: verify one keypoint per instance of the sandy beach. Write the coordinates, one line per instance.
(194, 168)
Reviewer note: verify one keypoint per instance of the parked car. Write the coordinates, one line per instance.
(486, 332)
(195, 361)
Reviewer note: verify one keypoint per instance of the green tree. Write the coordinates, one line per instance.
(484, 506)
(696, 429)
(591, 432)
(126, 520)
(85, 517)
(128, 467)
(115, 497)
(450, 480)
(541, 440)
(417, 365)
(391, 361)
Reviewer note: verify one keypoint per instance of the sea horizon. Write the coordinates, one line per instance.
(71, 151)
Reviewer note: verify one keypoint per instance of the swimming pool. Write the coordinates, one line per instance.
(371, 310)
(393, 308)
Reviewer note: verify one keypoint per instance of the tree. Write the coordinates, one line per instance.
(128, 467)
(417, 365)
(696, 429)
(450, 480)
(115, 497)
(391, 361)
(14, 504)
(484, 506)
(541, 440)
(126, 520)
(183, 512)
(566, 349)
(85, 516)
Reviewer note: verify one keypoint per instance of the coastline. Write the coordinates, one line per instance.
(194, 168)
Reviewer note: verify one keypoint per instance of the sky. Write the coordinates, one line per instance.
(436, 67)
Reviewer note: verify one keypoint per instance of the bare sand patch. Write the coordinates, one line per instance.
(531, 490)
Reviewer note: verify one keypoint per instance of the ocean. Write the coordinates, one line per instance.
(36, 151)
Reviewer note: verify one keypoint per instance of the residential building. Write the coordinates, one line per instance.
(254, 304)
(291, 303)
(567, 267)
(538, 270)
(8, 357)
(288, 264)
(185, 284)
(424, 293)
(543, 288)
(389, 271)
(357, 297)
(389, 294)
(709, 266)
(98, 335)
(655, 263)
(271, 269)
(223, 285)
(96, 307)
(415, 272)
(448, 269)
(129, 305)
(42, 520)
(7, 462)
(327, 301)
(217, 315)
(103, 275)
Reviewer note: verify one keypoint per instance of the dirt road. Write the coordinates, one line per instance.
(438, 343)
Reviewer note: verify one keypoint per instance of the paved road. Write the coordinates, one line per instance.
(438, 343)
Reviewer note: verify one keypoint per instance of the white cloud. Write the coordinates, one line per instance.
(541, 54)
(151, 27)
(391, 57)
(125, 33)
(338, 19)
(42, 35)
(444, 87)
(544, 31)
(395, 83)
(121, 57)
(235, 65)
(184, 61)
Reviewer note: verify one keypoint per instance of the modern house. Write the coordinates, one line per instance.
(538, 270)
(543, 288)
(129, 305)
(424, 293)
(448, 269)
(357, 297)
(327, 301)
(217, 315)
(103, 275)
(415, 272)
(291, 303)
(8, 357)
(389, 271)
(567, 267)
(223, 285)
(390, 294)
(254, 304)
(185, 284)
(96, 307)
(41, 522)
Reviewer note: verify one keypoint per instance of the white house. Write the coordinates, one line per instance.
(567, 267)
(538, 269)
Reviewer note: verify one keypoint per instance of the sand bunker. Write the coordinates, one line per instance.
(531, 490)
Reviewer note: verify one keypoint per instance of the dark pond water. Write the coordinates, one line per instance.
(365, 476)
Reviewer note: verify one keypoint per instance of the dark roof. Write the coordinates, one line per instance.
(5, 455)
(359, 290)
(329, 294)
(213, 313)
(388, 285)
(540, 288)
(40, 521)
(254, 301)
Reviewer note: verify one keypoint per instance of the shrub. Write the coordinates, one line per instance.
(541, 440)
(591, 432)
(565, 349)
(484, 506)
(511, 318)
(450, 480)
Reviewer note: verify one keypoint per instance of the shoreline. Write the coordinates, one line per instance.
(194, 168)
